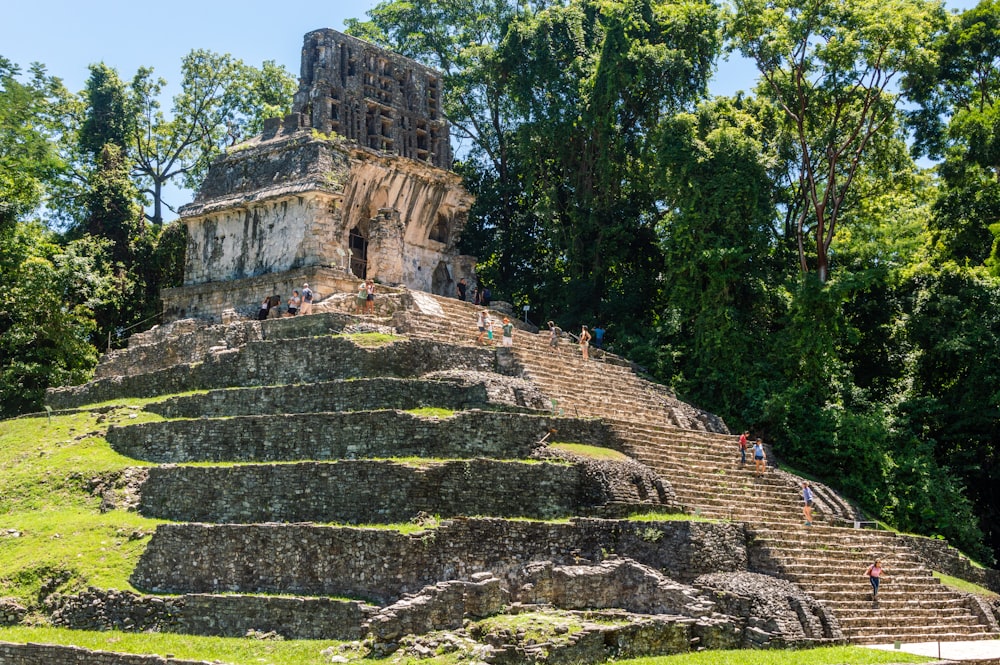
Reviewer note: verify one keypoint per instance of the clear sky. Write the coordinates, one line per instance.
(68, 35)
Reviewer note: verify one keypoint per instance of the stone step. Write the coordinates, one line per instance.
(362, 394)
(382, 492)
(384, 564)
(361, 435)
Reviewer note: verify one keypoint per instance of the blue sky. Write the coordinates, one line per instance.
(69, 35)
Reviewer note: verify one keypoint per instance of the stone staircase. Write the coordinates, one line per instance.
(291, 479)
(700, 460)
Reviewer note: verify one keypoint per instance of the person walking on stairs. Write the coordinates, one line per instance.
(759, 458)
(874, 574)
(554, 332)
(585, 342)
(744, 444)
(481, 324)
(807, 498)
(507, 336)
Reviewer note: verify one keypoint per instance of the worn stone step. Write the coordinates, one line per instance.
(383, 491)
(329, 436)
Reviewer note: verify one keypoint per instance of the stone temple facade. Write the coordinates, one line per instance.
(353, 184)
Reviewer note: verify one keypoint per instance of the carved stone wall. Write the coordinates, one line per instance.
(297, 203)
(377, 98)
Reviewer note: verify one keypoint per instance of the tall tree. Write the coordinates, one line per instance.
(593, 79)
(831, 67)
(221, 99)
(958, 116)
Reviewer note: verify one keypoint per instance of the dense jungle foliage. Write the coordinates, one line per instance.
(814, 259)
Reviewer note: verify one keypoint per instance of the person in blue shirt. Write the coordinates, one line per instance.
(598, 337)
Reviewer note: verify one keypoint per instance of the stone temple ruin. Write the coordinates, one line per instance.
(354, 183)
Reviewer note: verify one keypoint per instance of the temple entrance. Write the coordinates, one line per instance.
(358, 243)
(441, 282)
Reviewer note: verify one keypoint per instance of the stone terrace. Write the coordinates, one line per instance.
(271, 469)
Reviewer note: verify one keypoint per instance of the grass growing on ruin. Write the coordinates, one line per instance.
(242, 651)
(593, 452)
(372, 338)
(669, 517)
(54, 536)
(963, 585)
(431, 412)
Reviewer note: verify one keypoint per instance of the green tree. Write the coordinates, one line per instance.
(44, 323)
(831, 67)
(957, 119)
(593, 80)
(220, 101)
(723, 277)
(30, 115)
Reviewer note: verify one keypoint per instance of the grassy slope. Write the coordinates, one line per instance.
(53, 536)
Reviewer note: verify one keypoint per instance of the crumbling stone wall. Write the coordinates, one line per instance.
(45, 654)
(383, 565)
(778, 613)
(326, 436)
(374, 491)
(316, 359)
(376, 98)
(360, 395)
(208, 614)
(938, 555)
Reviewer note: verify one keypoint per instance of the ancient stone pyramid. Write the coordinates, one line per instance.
(312, 493)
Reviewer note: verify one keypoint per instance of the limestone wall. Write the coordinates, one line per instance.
(43, 654)
(360, 395)
(207, 614)
(938, 555)
(270, 362)
(375, 492)
(382, 565)
(327, 436)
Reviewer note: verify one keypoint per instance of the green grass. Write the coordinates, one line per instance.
(823, 656)
(372, 338)
(431, 412)
(54, 535)
(242, 651)
(593, 452)
(963, 585)
(669, 517)
(50, 464)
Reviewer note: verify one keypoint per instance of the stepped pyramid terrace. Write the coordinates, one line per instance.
(538, 486)
(383, 484)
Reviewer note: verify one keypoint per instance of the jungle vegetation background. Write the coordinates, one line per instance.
(815, 261)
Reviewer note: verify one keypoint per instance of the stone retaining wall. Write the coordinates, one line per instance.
(383, 564)
(938, 555)
(272, 362)
(44, 654)
(360, 395)
(365, 434)
(213, 615)
(379, 492)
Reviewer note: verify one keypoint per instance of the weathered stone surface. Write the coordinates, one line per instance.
(354, 395)
(11, 612)
(373, 97)
(778, 612)
(360, 435)
(206, 614)
(613, 583)
(938, 555)
(314, 360)
(442, 606)
(384, 564)
(45, 654)
(365, 492)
